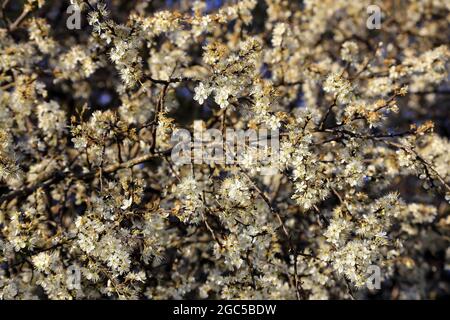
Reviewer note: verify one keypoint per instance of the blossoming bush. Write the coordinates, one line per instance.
(93, 205)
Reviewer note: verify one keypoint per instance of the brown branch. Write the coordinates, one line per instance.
(421, 159)
(322, 123)
(19, 20)
(298, 288)
(379, 138)
(57, 176)
(155, 121)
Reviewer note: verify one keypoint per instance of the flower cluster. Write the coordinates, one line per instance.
(356, 176)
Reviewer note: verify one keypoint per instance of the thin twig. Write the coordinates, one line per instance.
(298, 289)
